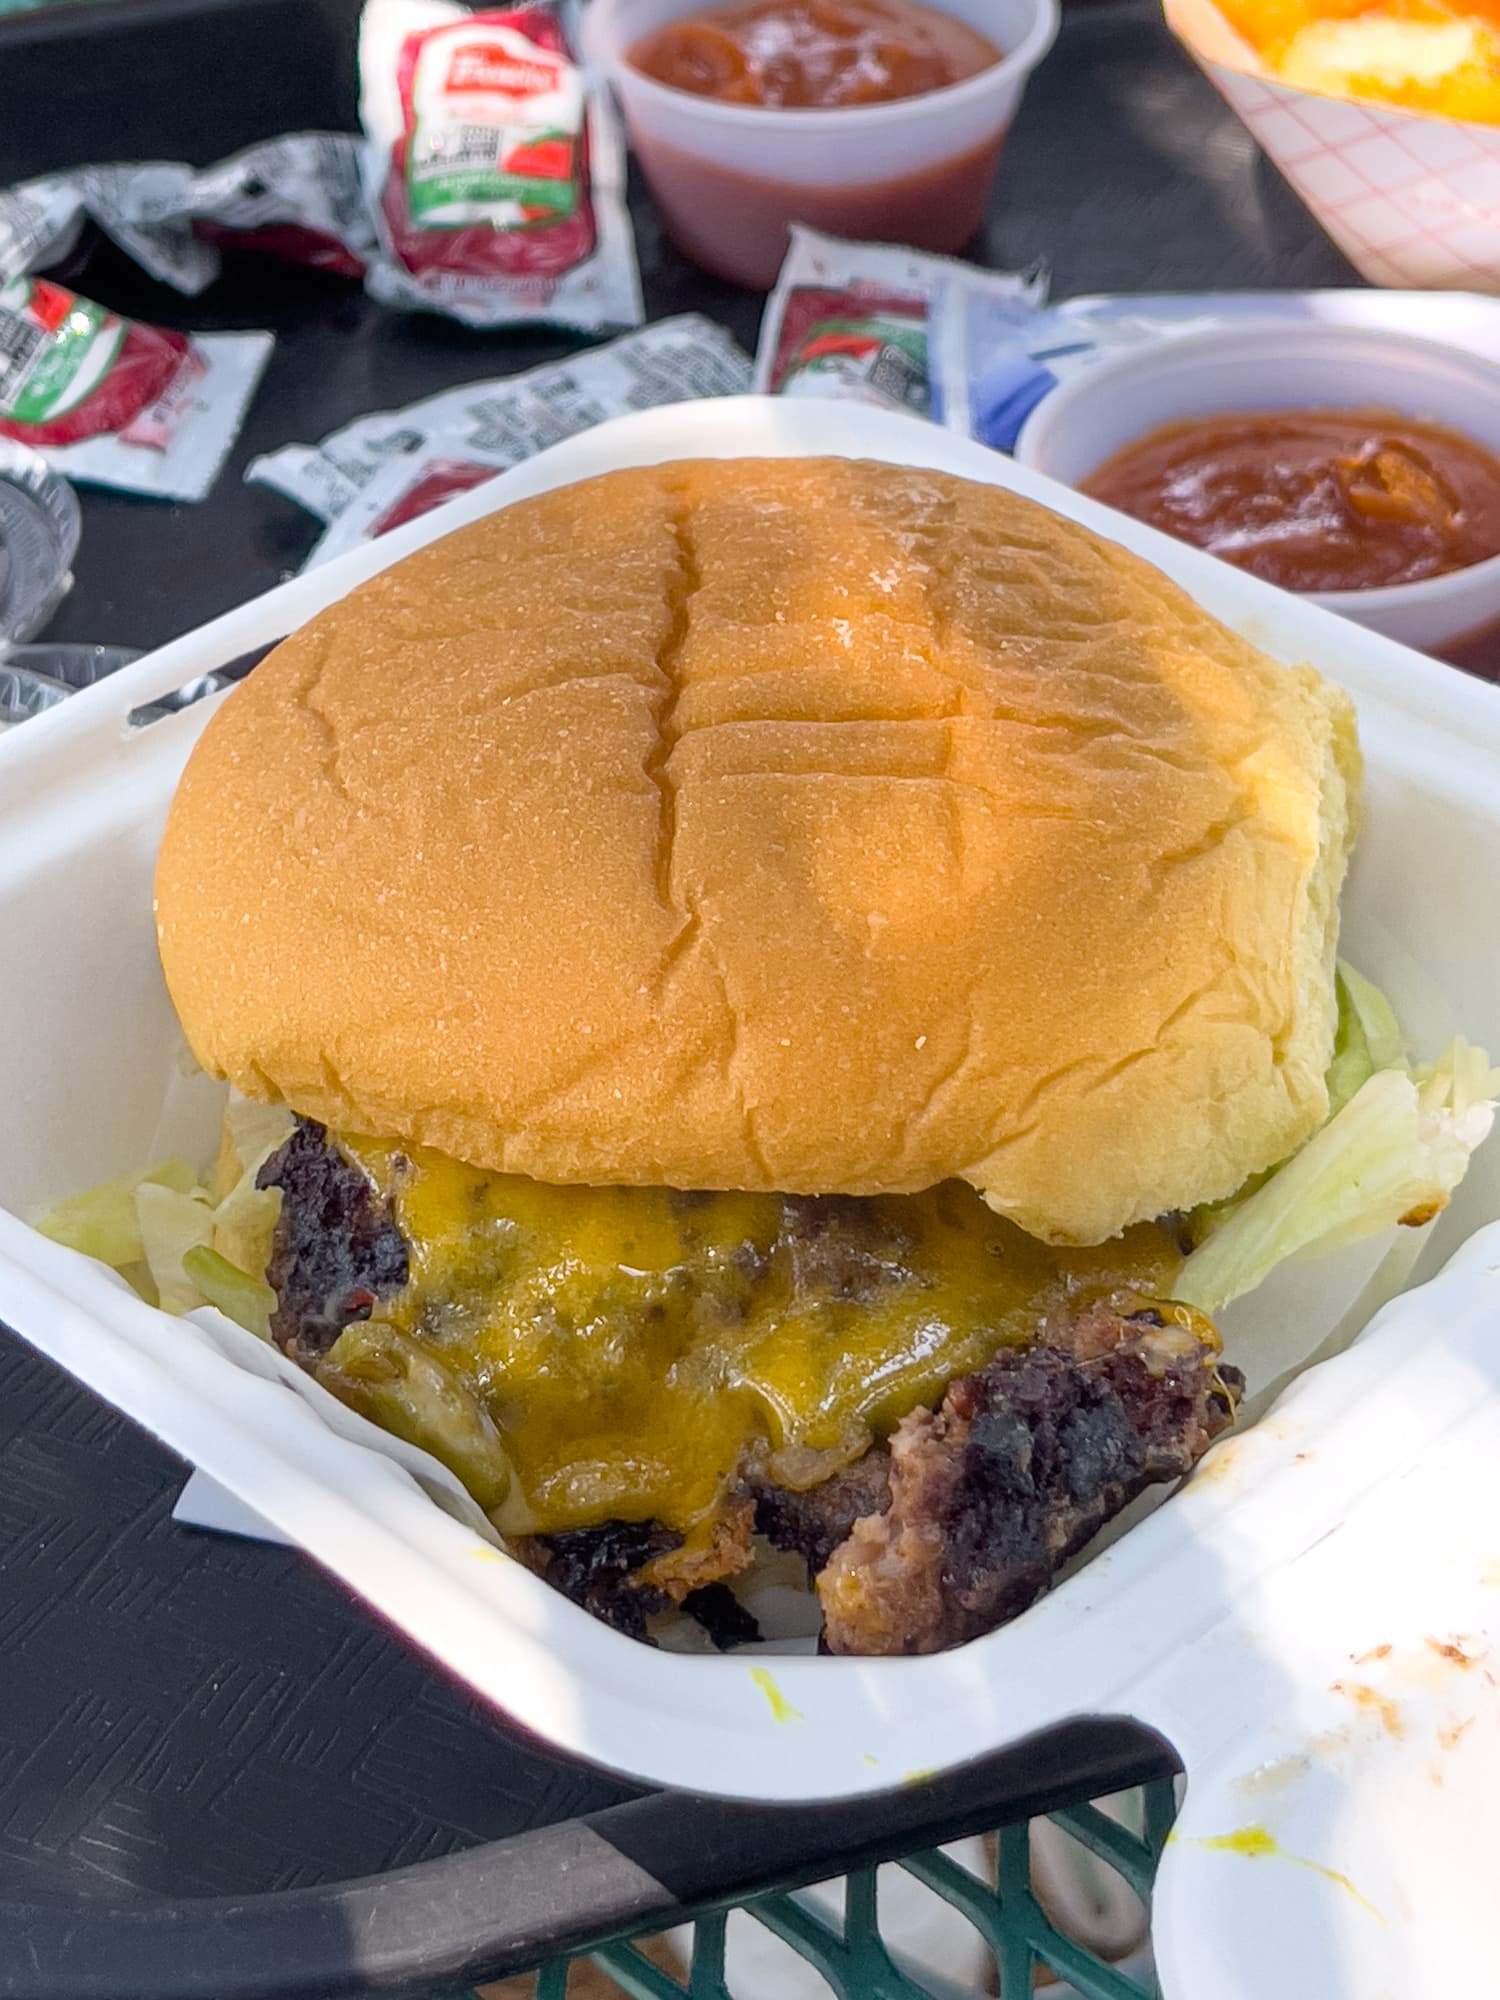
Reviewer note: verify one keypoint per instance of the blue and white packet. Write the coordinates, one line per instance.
(994, 359)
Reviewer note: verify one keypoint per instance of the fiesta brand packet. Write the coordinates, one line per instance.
(299, 197)
(494, 169)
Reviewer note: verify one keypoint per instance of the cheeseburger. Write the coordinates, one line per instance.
(790, 980)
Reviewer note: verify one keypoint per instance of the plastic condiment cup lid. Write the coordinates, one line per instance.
(39, 530)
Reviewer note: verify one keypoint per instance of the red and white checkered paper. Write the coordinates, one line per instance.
(1411, 200)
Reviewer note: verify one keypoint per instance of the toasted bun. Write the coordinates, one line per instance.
(784, 824)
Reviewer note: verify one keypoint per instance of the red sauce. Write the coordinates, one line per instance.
(545, 240)
(735, 225)
(814, 53)
(1314, 499)
(441, 479)
(858, 323)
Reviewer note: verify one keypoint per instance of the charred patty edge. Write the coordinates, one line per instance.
(954, 1525)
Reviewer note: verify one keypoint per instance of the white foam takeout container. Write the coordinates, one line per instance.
(1280, 1621)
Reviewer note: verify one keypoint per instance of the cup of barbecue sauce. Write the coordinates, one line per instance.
(1357, 467)
(876, 119)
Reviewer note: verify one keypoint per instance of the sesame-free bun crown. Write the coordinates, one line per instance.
(798, 824)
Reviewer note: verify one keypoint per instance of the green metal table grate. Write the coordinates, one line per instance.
(1017, 1935)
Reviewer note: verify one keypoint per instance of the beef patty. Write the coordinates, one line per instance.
(956, 1523)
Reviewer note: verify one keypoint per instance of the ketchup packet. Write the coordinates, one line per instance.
(439, 480)
(855, 321)
(40, 221)
(299, 198)
(393, 466)
(494, 168)
(118, 402)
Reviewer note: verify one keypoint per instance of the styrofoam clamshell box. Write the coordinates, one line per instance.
(1308, 1621)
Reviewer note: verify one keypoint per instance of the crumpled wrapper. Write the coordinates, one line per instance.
(1411, 200)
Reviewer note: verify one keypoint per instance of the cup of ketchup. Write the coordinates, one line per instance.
(1357, 466)
(876, 119)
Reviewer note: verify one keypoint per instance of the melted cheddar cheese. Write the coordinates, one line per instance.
(579, 1355)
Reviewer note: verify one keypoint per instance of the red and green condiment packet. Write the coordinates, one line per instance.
(494, 168)
(857, 321)
(117, 402)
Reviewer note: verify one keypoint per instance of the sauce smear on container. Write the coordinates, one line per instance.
(814, 53)
(1314, 500)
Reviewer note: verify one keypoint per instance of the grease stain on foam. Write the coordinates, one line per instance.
(1276, 1775)
(1372, 1702)
(1434, 1667)
(1452, 1650)
(1216, 1467)
(1258, 1843)
(1257, 633)
(781, 1709)
(1430, 1667)
(1236, 1454)
(1381, 1652)
(1331, 1743)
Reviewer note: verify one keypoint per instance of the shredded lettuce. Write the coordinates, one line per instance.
(167, 1235)
(1395, 1144)
(245, 1300)
(1369, 1038)
(245, 1219)
(171, 1224)
(102, 1222)
(255, 1131)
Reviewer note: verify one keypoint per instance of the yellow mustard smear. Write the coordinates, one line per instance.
(781, 1708)
(1258, 1843)
(593, 1354)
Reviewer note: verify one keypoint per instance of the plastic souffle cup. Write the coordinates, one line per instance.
(39, 531)
(24, 694)
(1290, 365)
(729, 178)
(1410, 198)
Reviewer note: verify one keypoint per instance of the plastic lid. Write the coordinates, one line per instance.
(39, 528)
(24, 694)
